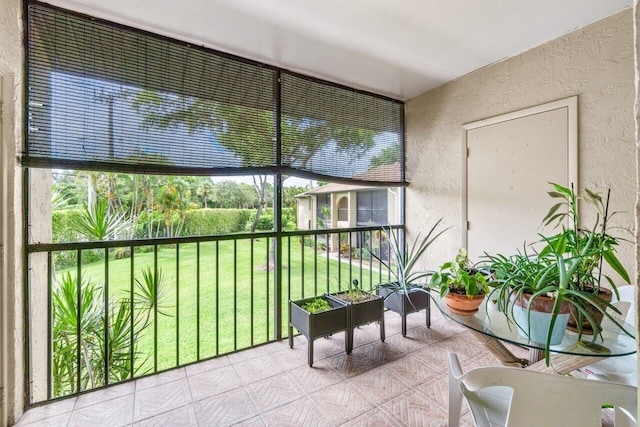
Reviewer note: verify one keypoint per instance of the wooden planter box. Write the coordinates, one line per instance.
(315, 325)
(361, 313)
(400, 303)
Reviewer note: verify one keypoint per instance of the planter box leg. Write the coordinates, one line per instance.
(428, 313)
(382, 335)
(348, 345)
(310, 352)
(404, 324)
(290, 336)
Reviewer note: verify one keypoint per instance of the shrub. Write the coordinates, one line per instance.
(265, 222)
(203, 222)
(61, 223)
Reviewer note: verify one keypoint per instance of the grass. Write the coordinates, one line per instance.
(224, 302)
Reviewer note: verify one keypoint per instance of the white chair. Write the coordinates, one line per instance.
(622, 369)
(501, 396)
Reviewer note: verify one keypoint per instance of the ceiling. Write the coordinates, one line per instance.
(397, 48)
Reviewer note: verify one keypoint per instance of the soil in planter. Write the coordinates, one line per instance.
(354, 296)
(587, 328)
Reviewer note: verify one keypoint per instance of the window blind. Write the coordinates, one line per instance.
(108, 97)
(340, 133)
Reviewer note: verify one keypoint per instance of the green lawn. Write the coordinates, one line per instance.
(225, 298)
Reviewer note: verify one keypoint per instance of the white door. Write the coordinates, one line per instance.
(511, 160)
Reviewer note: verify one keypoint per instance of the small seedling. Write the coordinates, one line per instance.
(316, 305)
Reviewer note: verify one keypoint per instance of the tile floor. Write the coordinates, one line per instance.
(401, 382)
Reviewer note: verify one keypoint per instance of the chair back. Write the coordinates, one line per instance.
(518, 397)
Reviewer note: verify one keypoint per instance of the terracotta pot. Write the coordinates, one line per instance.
(542, 304)
(587, 328)
(462, 304)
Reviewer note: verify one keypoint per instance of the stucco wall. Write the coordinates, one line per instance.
(11, 345)
(596, 63)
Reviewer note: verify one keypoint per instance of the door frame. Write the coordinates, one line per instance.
(571, 104)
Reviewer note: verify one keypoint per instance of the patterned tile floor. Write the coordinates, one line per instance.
(401, 382)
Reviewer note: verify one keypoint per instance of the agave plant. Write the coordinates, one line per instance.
(402, 265)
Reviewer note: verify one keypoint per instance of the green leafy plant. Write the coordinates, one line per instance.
(150, 293)
(459, 276)
(568, 268)
(96, 223)
(316, 305)
(573, 238)
(81, 307)
(404, 258)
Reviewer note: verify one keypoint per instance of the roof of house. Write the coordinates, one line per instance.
(370, 175)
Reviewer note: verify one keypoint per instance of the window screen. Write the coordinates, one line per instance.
(323, 210)
(343, 209)
(372, 208)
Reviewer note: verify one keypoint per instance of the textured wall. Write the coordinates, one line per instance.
(11, 346)
(596, 63)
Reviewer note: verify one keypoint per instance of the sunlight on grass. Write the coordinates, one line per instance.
(220, 295)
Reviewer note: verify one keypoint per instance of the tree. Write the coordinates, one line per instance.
(388, 156)
(242, 128)
(205, 190)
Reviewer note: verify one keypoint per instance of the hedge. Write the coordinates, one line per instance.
(203, 222)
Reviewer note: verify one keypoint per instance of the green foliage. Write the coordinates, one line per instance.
(65, 337)
(572, 239)
(94, 354)
(361, 253)
(324, 219)
(154, 205)
(567, 268)
(150, 293)
(205, 222)
(388, 156)
(61, 225)
(460, 276)
(316, 305)
(265, 223)
(96, 223)
(405, 257)
(289, 218)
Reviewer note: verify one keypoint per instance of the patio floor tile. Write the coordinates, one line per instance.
(401, 382)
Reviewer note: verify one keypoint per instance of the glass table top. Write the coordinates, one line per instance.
(490, 321)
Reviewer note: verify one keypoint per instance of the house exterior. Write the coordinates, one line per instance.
(336, 205)
(347, 206)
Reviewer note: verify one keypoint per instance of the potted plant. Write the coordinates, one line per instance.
(585, 317)
(560, 278)
(317, 317)
(362, 308)
(527, 289)
(462, 285)
(407, 293)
